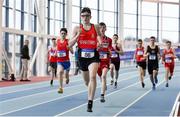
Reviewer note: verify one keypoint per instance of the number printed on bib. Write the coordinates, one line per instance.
(168, 59)
(61, 53)
(140, 53)
(103, 55)
(87, 53)
(152, 57)
(114, 54)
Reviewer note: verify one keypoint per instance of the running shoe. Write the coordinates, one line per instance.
(170, 77)
(154, 87)
(60, 90)
(102, 99)
(115, 84)
(143, 85)
(89, 106)
(167, 85)
(51, 82)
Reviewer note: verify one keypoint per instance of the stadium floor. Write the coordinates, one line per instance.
(128, 99)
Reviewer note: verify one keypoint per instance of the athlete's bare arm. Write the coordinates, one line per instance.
(75, 35)
(174, 54)
(71, 50)
(120, 51)
(134, 57)
(159, 55)
(98, 34)
(146, 53)
(163, 57)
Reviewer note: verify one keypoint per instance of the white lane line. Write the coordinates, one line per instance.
(136, 100)
(1, 114)
(99, 98)
(60, 114)
(36, 94)
(55, 99)
(174, 106)
(47, 86)
(34, 87)
(2, 89)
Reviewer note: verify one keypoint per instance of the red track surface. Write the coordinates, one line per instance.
(17, 82)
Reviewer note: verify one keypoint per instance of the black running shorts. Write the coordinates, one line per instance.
(85, 62)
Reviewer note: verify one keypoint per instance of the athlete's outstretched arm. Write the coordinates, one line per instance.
(121, 49)
(146, 54)
(98, 35)
(71, 50)
(76, 33)
(174, 53)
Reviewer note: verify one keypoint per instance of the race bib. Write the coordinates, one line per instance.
(105, 45)
(103, 55)
(168, 59)
(114, 54)
(87, 53)
(52, 53)
(152, 57)
(61, 53)
(140, 53)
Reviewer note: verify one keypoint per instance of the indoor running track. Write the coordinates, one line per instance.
(129, 99)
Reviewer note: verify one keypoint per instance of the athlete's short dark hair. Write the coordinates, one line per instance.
(168, 42)
(115, 35)
(139, 40)
(53, 38)
(102, 24)
(152, 37)
(86, 9)
(63, 29)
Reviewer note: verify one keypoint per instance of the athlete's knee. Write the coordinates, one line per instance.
(61, 72)
(93, 78)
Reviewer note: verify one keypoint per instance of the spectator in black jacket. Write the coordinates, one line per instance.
(24, 59)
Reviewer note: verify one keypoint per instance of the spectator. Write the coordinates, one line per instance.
(24, 59)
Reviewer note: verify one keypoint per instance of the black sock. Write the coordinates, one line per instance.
(90, 101)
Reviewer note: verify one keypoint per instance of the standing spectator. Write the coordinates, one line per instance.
(24, 59)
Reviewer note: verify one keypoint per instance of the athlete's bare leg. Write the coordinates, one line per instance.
(112, 68)
(167, 76)
(53, 75)
(67, 76)
(86, 77)
(103, 77)
(61, 73)
(142, 73)
(93, 67)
